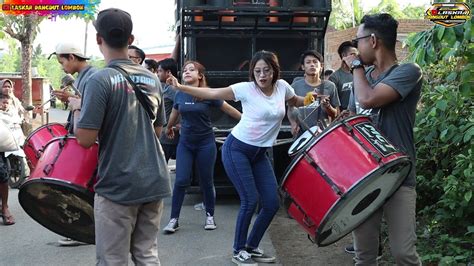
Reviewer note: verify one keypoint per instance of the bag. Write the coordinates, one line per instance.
(8, 142)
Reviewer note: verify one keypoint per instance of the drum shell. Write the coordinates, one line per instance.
(59, 193)
(38, 139)
(311, 199)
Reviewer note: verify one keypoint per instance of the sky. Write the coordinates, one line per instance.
(152, 23)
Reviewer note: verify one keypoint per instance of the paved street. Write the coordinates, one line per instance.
(29, 243)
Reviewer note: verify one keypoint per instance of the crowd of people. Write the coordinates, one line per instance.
(173, 122)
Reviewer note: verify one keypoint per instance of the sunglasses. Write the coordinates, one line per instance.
(355, 41)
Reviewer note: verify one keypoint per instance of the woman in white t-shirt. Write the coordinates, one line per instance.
(244, 151)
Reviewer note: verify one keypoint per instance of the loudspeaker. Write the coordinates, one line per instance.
(307, 3)
(234, 54)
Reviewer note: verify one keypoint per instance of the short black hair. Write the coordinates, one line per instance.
(66, 56)
(152, 63)
(169, 64)
(384, 26)
(140, 52)
(344, 47)
(328, 72)
(311, 53)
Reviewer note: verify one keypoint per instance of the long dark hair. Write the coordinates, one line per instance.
(271, 59)
(201, 70)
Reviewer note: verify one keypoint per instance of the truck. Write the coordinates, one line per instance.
(224, 34)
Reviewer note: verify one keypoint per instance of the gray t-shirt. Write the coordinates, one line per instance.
(343, 81)
(83, 77)
(397, 119)
(80, 84)
(168, 95)
(132, 166)
(312, 114)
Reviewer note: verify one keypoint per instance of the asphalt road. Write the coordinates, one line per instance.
(29, 243)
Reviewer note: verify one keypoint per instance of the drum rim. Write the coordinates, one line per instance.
(402, 158)
(41, 127)
(65, 137)
(89, 198)
(311, 143)
(304, 145)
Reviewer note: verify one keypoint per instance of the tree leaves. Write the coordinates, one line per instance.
(444, 132)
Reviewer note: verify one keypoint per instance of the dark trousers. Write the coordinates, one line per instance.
(203, 153)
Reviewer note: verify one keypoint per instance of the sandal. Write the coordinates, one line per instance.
(8, 220)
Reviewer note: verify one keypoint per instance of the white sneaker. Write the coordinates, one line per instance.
(210, 223)
(243, 258)
(67, 242)
(172, 226)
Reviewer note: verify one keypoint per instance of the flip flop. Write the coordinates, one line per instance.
(8, 220)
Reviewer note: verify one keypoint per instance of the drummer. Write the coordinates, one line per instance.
(389, 92)
(73, 61)
(326, 102)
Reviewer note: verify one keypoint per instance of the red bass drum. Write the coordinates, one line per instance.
(59, 192)
(341, 177)
(37, 140)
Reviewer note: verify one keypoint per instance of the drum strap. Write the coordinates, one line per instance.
(323, 175)
(141, 97)
(350, 129)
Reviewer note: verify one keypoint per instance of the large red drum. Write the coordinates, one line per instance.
(341, 177)
(59, 192)
(37, 140)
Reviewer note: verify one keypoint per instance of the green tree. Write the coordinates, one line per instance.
(24, 28)
(348, 13)
(445, 143)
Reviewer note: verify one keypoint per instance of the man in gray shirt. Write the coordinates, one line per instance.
(73, 61)
(132, 173)
(391, 92)
(167, 68)
(326, 106)
(342, 77)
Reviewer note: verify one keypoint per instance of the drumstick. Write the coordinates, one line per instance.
(303, 123)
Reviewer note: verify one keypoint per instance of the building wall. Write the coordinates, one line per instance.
(334, 38)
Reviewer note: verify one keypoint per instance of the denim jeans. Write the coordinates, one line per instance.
(251, 172)
(201, 152)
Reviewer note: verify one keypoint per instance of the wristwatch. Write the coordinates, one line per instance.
(356, 63)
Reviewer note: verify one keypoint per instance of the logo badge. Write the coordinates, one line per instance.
(448, 14)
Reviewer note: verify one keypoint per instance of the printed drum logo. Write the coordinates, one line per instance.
(448, 14)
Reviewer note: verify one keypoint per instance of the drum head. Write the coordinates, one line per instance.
(361, 200)
(63, 208)
(301, 142)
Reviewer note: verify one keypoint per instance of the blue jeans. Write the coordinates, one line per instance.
(203, 153)
(251, 172)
